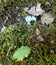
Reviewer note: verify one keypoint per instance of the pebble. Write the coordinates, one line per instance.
(38, 31)
(52, 51)
(26, 9)
(40, 38)
(47, 4)
(3, 29)
(17, 8)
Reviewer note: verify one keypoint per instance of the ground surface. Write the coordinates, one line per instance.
(18, 33)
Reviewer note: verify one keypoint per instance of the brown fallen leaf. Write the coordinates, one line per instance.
(47, 18)
(35, 10)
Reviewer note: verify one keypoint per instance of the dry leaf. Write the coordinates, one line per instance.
(35, 10)
(47, 18)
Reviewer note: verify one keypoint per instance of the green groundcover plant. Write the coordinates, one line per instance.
(19, 44)
(21, 53)
(17, 40)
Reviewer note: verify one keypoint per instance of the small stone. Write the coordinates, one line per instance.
(7, 18)
(38, 31)
(18, 15)
(40, 38)
(17, 8)
(52, 42)
(4, 0)
(18, 19)
(26, 9)
(3, 29)
(47, 4)
(52, 51)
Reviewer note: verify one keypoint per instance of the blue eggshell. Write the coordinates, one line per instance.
(33, 18)
(28, 19)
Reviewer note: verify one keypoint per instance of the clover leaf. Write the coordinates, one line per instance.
(21, 53)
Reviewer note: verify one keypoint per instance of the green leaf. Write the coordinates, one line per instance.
(21, 53)
(24, 14)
